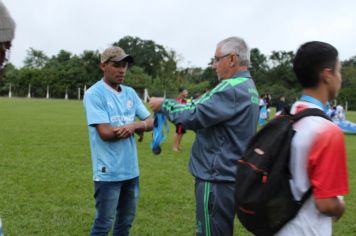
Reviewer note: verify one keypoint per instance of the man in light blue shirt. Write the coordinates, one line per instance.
(111, 109)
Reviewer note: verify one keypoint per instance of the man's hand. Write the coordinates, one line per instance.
(148, 126)
(155, 103)
(140, 135)
(124, 131)
(333, 207)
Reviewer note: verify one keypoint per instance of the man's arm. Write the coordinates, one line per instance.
(333, 207)
(209, 110)
(327, 171)
(106, 132)
(143, 126)
(111, 133)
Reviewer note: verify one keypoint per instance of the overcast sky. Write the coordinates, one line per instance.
(192, 28)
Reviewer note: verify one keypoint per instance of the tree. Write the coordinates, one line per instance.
(9, 77)
(137, 78)
(152, 57)
(90, 61)
(35, 59)
(210, 75)
(350, 62)
(168, 74)
(155, 68)
(65, 71)
(282, 70)
(259, 67)
(348, 92)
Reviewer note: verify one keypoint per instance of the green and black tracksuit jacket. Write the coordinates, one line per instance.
(224, 119)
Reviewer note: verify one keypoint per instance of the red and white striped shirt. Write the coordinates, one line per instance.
(318, 159)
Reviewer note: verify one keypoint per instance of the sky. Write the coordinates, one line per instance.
(191, 28)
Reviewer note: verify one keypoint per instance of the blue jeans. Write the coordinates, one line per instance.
(115, 200)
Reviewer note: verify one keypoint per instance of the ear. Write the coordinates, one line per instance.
(326, 76)
(233, 60)
(102, 66)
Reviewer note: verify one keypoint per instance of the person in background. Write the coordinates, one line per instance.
(261, 102)
(7, 34)
(224, 119)
(318, 155)
(111, 109)
(331, 112)
(340, 112)
(180, 131)
(262, 110)
(280, 105)
(268, 100)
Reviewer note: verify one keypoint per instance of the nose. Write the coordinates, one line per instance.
(121, 68)
(214, 65)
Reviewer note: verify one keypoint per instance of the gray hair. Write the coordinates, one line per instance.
(7, 25)
(236, 45)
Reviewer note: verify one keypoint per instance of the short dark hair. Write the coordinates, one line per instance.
(181, 89)
(310, 59)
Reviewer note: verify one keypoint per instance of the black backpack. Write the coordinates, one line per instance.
(264, 201)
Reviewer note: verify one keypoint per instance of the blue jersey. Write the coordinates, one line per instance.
(113, 160)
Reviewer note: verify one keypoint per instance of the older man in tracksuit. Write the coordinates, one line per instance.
(224, 120)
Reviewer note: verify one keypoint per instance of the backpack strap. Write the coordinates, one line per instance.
(306, 195)
(300, 115)
(310, 112)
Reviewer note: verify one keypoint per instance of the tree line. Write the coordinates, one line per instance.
(155, 68)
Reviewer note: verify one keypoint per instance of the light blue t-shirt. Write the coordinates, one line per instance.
(113, 160)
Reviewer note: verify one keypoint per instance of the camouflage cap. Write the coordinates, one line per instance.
(115, 54)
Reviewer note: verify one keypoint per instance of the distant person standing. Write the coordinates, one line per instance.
(262, 102)
(268, 99)
(262, 111)
(318, 155)
(111, 109)
(340, 112)
(280, 105)
(224, 119)
(7, 34)
(180, 131)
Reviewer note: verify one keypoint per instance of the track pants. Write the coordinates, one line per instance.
(215, 208)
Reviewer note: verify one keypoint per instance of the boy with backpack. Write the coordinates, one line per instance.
(318, 156)
(306, 195)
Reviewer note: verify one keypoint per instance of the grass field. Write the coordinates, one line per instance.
(46, 181)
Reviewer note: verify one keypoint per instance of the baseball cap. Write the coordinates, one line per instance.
(115, 54)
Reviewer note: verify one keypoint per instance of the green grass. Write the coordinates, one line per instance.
(46, 181)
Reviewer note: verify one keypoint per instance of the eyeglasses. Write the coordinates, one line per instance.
(217, 59)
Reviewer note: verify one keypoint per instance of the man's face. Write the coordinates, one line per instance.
(4, 53)
(335, 81)
(222, 64)
(114, 72)
(184, 93)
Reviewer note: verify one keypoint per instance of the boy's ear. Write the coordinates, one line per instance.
(102, 66)
(326, 75)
